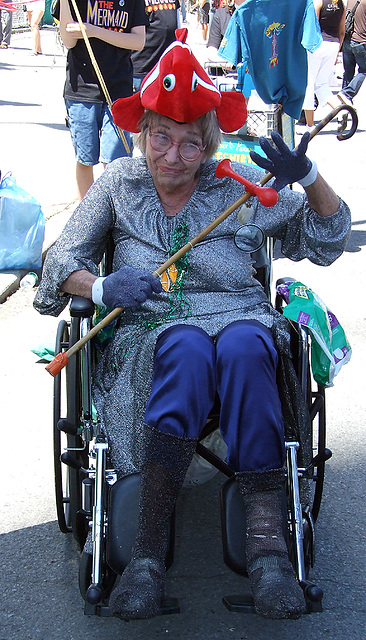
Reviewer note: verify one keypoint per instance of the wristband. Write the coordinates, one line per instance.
(310, 177)
(97, 292)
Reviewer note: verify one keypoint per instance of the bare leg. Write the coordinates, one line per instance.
(84, 179)
(309, 117)
(34, 21)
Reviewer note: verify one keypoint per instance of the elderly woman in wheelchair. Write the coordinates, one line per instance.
(205, 331)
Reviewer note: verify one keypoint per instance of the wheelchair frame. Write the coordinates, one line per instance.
(86, 485)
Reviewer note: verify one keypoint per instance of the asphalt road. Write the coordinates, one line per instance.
(40, 597)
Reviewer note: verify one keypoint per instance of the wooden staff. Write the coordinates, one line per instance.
(61, 359)
(97, 70)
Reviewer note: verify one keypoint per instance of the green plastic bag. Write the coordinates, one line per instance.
(330, 349)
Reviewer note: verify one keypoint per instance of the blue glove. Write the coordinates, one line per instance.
(126, 287)
(287, 166)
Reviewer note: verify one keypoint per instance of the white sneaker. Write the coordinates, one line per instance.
(302, 130)
(344, 99)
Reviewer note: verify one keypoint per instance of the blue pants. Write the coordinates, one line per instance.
(94, 134)
(190, 368)
(354, 53)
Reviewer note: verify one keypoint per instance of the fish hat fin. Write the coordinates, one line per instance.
(232, 111)
(127, 113)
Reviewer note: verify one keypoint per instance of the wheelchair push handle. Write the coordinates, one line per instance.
(61, 359)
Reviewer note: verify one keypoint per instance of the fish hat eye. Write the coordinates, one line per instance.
(194, 81)
(169, 82)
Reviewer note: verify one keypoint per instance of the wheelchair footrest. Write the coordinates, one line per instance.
(239, 603)
(314, 607)
(245, 604)
(101, 610)
(313, 597)
(168, 607)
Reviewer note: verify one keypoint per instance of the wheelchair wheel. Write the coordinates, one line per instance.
(320, 452)
(315, 399)
(67, 403)
(62, 488)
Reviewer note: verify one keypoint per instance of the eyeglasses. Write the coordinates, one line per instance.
(187, 150)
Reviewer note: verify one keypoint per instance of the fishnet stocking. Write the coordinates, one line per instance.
(275, 590)
(141, 588)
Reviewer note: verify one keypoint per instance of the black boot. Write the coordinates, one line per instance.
(139, 593)
(275, 590)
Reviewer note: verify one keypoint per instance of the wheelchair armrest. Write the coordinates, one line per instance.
(279, 298)
(284, 280)
(81, 307)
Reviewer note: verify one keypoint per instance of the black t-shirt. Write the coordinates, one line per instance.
(114, 63)
(160, 33)
(329, 18)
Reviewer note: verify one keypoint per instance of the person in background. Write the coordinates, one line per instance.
(218, 25)
(354, 53)
(35, 11)
(183, 11)
(203, 17)
(94, 134)
(160, 32)
(331, 16)
(5, 31)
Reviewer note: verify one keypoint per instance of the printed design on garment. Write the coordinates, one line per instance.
(102, 13)
(169, 278)
(151, 5)
(273, 32)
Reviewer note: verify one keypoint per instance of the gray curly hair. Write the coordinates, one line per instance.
(208, 124)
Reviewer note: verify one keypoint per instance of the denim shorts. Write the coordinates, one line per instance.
(94, 135)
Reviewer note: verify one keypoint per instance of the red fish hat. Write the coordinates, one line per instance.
(179, 88)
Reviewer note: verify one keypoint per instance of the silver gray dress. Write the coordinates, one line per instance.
(218, 285)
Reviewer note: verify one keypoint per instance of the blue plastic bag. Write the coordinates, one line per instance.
(22, 227)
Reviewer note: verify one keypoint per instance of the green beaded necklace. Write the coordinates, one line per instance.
(179, 305)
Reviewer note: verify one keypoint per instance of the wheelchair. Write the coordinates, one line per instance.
(101, 511)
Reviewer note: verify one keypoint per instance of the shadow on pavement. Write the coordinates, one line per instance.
(41, 600)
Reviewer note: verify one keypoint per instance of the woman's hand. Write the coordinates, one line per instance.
(126, 287)
(287, 166)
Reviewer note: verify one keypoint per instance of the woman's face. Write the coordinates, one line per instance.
(169, 170)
